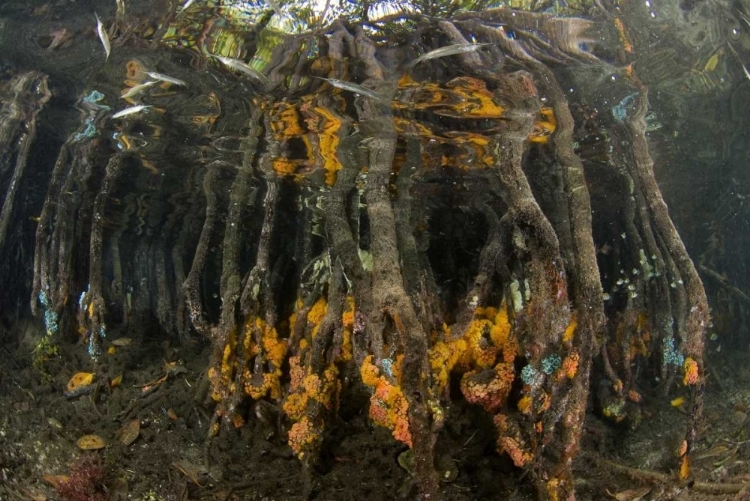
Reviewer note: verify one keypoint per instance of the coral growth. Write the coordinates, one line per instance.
(570, 365)
(302, 436)
(691, 372)
(509, 440)
(344, 353)
(274, 350)
(388, 405)
(487, 336)
(307, 392)
(488, 387)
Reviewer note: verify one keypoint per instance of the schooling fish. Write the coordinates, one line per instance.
(450, 50)
(103, 35)
(245, 68)
(352, 87)
(166, 78)
(744, 17)
(185, 6)
(275, 6)
(739, 59)
(131, 110)
(134, 91)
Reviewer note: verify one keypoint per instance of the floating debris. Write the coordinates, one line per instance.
(89, 130)
(620, 111)
(93, 98)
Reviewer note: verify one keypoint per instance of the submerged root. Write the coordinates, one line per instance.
(389, 220)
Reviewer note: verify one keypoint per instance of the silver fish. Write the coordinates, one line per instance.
(739, 59)
(744, 17)
(103, 35)
(352, 87)
(275, 6)
(450, 50)
(185, 6)
(131, 110)
(245, 68)
(134, 91)
(166, 78)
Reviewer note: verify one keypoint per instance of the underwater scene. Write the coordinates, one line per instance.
(385, 249)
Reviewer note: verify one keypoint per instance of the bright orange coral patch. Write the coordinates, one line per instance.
(691, 372)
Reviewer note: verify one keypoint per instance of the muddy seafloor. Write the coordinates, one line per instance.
(40, 426)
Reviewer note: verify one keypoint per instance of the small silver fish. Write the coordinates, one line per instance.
(185, 6)
(131, 110)
(103, 35)
(134, 91)
(450, 50)
(352, 87)
(743, 16)
(245, 68)
(166, 78)
(275, 6)
(739, 59)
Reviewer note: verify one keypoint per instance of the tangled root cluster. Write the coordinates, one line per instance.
(350, 211)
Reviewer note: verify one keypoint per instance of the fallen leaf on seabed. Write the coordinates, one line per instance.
(123, 341)
(79, 380)
(129, 432)
(35, 496)
(116, 382)
(715, 451)
(631, 494)
(188, 469)
(685, 467)
(91, 443)
(55, 480)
